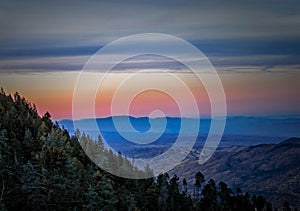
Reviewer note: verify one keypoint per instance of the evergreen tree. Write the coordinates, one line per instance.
(163, 187)
(260, 203)
(286, 206)
(199, 179)
(184, 183)
(225, 195)
(173, 193)
(209, 199)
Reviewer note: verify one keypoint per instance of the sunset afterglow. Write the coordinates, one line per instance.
(246, 94)
(43, 51)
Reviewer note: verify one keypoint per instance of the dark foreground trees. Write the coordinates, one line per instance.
(43, 168)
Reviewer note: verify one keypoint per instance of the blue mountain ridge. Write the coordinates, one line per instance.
(239, 131)
(246, 126)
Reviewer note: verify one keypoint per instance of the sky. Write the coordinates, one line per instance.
(253, 45)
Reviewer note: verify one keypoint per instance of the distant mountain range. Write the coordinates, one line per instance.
(256, 126)
(269, 169)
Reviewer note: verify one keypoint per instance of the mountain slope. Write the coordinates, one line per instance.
(269, 169)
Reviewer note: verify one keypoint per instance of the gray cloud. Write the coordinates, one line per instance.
(43, 23)
(60, 36)
(223, 64)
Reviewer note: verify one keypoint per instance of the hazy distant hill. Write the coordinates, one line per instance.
(283, 127)
(269, 169)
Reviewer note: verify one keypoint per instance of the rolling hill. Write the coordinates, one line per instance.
(269, 169)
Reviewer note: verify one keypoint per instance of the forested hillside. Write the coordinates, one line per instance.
(43, 168)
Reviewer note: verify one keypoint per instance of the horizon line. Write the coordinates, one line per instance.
(178, 117)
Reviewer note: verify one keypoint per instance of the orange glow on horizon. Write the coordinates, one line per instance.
(146, 102)
(246, 94)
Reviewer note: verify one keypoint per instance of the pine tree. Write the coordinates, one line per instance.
(225, 195)
(173, 194)
(163, 187)
(184, 183)
(199, 179)
(209, 196)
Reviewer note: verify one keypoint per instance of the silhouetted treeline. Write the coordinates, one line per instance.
(43, 168)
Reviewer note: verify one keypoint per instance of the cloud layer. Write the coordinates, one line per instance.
(45, 24)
